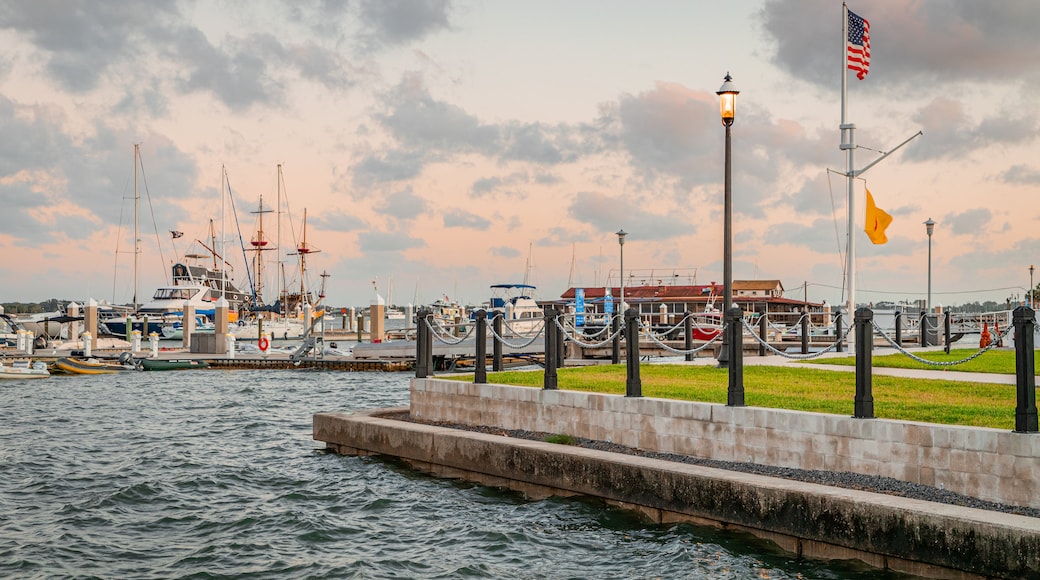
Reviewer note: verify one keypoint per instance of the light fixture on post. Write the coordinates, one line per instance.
(621, 243)
(728, 109)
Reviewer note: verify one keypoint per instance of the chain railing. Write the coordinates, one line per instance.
(654, 338)
(902, 350)
(832, 348)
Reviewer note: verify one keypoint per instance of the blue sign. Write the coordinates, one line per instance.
(608, 303)
(579, 307)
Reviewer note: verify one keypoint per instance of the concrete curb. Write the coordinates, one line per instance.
(912, 536)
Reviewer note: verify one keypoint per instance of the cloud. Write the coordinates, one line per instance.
(972, 222)
(1023, 174)
(388, 242)
(489, 186)
(505, 252)
(337, 221)
(948, 132)
(404, 204)
(83, 41)
(397, 22)
(459, 218)
(925, 42)
(393, 165)
(607, 214)
(820, 236)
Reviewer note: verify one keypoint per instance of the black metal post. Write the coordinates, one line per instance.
(864, 402)
(899, 328)
(615, 346)
(1025, 373)
(633, 384)
(922, 328)
(549, 330)
(427, 327)
(805, 331)
(763, 333)
(727, 240)
(946, 329)
(421, 369)
(688, 335)
(480, 353)
(498, 322)
(561, 341)
(839, 332)
(735, 338)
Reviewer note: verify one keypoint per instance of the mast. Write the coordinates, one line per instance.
(278, 234)
(848, 145)
(302, 251)
(137, 237)
(259, 243)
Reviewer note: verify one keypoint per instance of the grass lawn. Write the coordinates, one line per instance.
(798, 389)
(997, 360)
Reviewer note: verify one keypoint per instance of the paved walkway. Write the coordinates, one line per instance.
(938, 373)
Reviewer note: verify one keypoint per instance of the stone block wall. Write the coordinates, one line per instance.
(988, 464)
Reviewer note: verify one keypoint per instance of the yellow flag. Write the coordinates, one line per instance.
(876, 222)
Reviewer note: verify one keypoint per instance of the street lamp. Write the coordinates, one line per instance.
(1032, 288)
(929, 227)
(728, 110)
(621, 242)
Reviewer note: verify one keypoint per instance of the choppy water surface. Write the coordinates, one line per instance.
(214, 474)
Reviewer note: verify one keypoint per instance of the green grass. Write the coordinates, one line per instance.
(1000, 361)
(797, 389)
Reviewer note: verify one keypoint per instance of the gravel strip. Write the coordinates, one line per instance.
(844, 479)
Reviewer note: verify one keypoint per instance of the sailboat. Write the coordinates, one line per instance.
(392, 312)
(288, 309)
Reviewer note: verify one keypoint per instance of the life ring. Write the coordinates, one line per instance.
(263, 343)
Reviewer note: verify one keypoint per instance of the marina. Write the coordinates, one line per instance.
(223, 477)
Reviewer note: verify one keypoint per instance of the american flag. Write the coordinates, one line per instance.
(858, 44)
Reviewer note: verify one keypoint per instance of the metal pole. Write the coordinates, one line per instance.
(688, 335)
(480, 351)
(615, 345)
(633, 383)
(735, 334)
(549, 382)
(727, 244)
(498, 322)
(863, 405)
(1025, 374)
(1032, 289)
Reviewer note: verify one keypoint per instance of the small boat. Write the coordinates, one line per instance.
(150, 364)
(23, 369)
(91, 366)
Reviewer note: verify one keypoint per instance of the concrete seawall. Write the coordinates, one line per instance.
(989, 464)
(810, 520)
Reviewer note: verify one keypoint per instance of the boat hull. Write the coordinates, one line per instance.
(172, 365)
(23, 370)
(89, 366)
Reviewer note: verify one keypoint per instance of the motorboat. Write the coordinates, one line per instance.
(521, 313)
(24, 369)
(91, 366)
(155, 364)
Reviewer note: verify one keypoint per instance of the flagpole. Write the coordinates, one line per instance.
(848, 145)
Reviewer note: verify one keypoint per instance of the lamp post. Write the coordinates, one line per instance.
(728, 109)
(929, 227)
(621, 243)
(1032, 288)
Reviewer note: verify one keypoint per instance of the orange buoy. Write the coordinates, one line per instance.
(984, 340)
(263, 343)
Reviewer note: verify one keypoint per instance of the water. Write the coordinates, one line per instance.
(214, 474)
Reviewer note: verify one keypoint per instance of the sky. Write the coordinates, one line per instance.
(442, 146)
